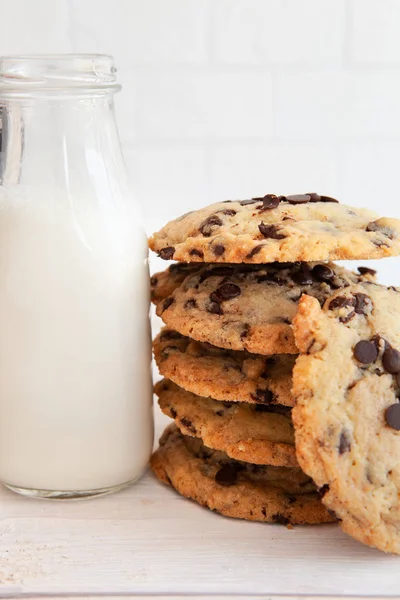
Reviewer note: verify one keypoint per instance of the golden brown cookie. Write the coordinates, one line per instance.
(235, 489)
(347, 417)
(233, 375)
(252, 433)
(305, 227)
(249, 307)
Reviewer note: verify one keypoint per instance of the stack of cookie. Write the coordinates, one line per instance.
(229, 349)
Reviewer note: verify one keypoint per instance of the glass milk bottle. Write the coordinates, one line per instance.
(75, 385)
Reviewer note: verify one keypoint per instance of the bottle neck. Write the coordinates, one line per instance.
(58, 141)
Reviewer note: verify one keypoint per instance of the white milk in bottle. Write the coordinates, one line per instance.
(75, 385)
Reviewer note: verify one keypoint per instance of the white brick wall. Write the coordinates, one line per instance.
(204, 106)
(231, 98)
(279, 32)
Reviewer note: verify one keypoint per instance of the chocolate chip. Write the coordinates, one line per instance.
(269, 202)
(227, 291)
(363, 304)
(167, 253)
(229, 212)
(344, 442)
(291, 499)
(188, 424)
(191, 303)
(153, 280)
(227, 475)
(280, 519)
(195, 252)
(374, 226)
(317, 198)
(270, 231)
(214, 308)
(366, 271)
(298, 198)
(215, 298)
(391, 360)
(173, 412)
(206, 227)
(342, 302)
(167, 303)
(303, 276)
(365, 352)
(392, 416)
(264, 396)
(323, 490)
(218, 249)
(328, 199)
(314, 197)
(255, 251)
(398, 379)
(246, 202)
(323, 273)
(245, 331)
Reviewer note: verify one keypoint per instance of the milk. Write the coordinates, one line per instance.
(75, 388)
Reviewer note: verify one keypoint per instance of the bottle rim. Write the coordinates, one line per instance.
(27, 74)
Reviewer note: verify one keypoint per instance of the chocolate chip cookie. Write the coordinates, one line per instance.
(237, 376)
(249, 307)
(303, 227)
(252, 433)
(347, 418)
(235, 489)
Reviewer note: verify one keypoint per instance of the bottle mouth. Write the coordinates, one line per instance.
(30, 73)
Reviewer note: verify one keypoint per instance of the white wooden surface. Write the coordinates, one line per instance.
(148, 540)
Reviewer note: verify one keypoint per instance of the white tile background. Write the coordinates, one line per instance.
(234, 98)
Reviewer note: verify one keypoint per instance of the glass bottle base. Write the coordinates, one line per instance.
(67, 494)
